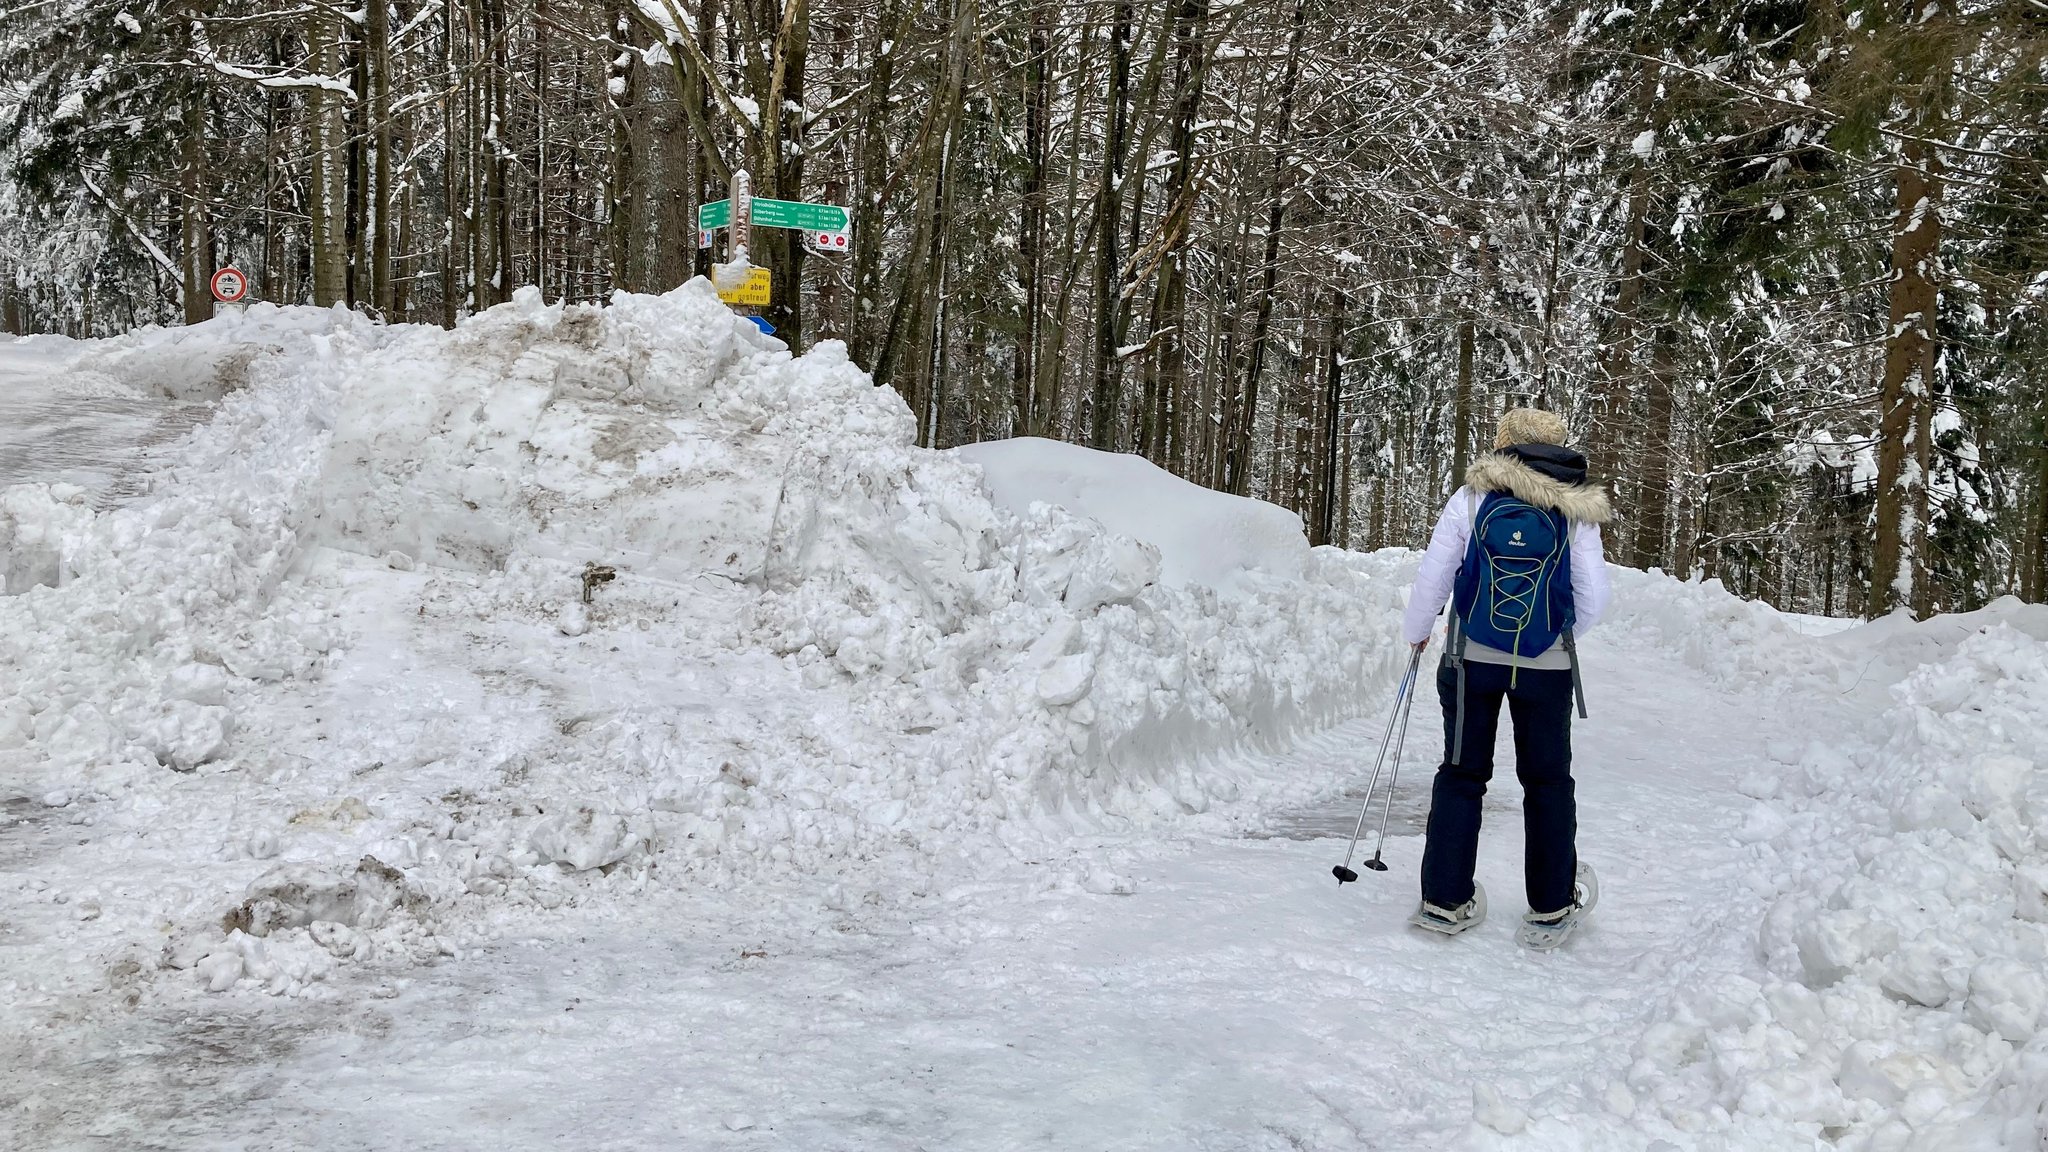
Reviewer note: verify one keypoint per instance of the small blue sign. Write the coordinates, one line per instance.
(766, 328)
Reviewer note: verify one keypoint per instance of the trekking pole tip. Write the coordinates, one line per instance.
(1344, 875)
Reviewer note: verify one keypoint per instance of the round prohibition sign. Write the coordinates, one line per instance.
(229, 286)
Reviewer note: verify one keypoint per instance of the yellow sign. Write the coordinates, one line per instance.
(754, 291)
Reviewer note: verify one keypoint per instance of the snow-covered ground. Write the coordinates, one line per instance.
(597, 728)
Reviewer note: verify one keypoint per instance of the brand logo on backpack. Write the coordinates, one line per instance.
(1516, 540)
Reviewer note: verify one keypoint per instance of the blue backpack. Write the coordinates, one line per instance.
(1514, 590)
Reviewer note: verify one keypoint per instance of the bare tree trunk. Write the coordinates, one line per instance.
(195, 224)
(1606, 423)
(1653, 460)
(270, 284)
(1106, 397)
(329, 194)
(1237, 463)
(1167, 366)
(1333, 407)
(1031, 226)
(537, 179)
(377, 121)
(2037, 542)
(1461, 416)
(1898, 574)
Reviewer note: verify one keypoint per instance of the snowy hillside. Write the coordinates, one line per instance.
(431, 651)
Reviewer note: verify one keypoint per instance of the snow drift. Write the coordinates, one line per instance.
(1899, 1001)
(1203, 536)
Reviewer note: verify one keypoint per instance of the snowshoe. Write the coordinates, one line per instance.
(1585, 887)
(1544, 931)
(1452, 921)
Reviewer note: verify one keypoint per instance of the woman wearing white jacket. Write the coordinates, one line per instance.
(1529, 465)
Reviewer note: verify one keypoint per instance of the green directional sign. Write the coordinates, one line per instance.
(800, 216)
(779, 214)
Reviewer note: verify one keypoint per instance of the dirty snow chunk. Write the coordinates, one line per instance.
(2030, 893)
(587, 838)
(296, 895)
(1203, 537)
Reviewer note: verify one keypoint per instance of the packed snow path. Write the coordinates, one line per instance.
(1235, 999)
(94, 439)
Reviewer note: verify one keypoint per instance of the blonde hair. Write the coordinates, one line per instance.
(1530, 426)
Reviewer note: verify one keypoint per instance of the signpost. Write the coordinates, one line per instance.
(818, 219)
(753, 291)
(827, 228)
(230, 286)
(739, 211)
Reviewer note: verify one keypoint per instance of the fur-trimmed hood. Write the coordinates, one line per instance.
(1502, 472)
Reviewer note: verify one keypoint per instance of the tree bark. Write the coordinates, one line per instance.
(1653, 461)
(1898, 573)
(1106, 396)
(1333, 408)
(195, 224)
(377, 117)
(328, 200)
(1238, 440)
(1031, 225)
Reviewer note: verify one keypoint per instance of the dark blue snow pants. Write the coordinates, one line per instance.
(1540, 703)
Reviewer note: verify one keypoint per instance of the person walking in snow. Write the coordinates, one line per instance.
(1517, 553)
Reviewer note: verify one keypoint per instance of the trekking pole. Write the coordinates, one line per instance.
(1393, 782)
(1343, 871)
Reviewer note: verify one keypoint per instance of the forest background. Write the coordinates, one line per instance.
(1784, 266)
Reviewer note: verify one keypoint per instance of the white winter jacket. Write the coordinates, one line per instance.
(1584, 505)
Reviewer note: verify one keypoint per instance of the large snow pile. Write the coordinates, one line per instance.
(1902, 993)
(428, 628)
